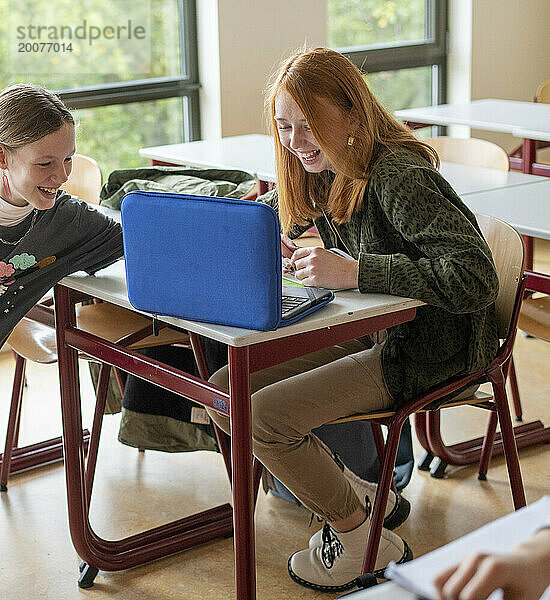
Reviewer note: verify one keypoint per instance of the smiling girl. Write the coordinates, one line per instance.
(347, 166)
(45, 233)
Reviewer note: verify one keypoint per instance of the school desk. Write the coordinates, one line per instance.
(527, 120)
(254, 153)
(349, 316)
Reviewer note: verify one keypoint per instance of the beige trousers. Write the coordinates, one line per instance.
(291, 399)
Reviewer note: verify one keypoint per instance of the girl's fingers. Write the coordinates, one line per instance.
(465, 572)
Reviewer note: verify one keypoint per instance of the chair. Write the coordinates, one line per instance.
(470, 151)
(35, 341)
(85, 179)
(480, 153)
(508, 253)
(543, 92)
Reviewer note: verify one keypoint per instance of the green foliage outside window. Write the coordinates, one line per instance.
(113, 134)
(373, 22)
(353, 23)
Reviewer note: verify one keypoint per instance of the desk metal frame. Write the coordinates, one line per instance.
(210, 524)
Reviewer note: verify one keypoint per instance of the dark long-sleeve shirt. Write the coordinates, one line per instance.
(71, 236)
(414, 237)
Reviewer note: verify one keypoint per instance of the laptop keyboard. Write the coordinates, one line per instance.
(290, 303)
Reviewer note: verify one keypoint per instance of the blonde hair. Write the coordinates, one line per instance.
(311, 76)
(28, 113)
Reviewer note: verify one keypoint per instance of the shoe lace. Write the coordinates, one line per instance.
(316, 517)
(332, 547)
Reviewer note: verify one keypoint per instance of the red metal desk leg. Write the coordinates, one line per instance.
(242, 472)
(528, 155)
(72, 418)
(529, 251)
(143, 547)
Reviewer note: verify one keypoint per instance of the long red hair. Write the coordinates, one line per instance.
(311, 76)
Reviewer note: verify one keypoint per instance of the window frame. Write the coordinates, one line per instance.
(185, 86)
(431, 52)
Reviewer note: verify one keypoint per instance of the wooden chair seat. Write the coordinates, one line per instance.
(36, 342)
(534, 317)
(476, 398)
(543, 92)
(85, 179)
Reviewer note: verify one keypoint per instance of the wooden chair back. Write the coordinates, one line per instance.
(508, 252)
(543, 92)
(470, 151)
(85, 179)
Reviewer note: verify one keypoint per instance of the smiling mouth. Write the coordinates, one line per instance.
(47, 191)
(310, 156)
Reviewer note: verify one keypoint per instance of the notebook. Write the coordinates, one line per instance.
(496, 537)
(210, 259)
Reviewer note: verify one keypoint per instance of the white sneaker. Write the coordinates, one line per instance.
(335, 565)
(397, 507)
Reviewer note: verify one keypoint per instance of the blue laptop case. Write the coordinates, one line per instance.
(205, 258)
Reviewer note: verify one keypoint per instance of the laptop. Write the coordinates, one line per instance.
(210, 259)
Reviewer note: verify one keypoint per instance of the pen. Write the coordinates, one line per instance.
(288, 265)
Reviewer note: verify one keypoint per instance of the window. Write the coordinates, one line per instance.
(138, 89)
(400, 44)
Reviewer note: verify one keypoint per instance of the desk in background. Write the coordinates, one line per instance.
(527, 120)
(255, 154)
(526, 208)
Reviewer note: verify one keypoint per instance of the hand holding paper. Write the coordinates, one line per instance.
(499, 536)
(523, 573)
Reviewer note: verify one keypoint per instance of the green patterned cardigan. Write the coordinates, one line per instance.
(414, 237)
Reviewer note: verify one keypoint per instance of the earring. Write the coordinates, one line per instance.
(351, 140)
(6, 187)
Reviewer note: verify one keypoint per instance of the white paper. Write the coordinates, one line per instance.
(496, 537)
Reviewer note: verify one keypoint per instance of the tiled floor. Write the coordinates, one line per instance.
(135, 491)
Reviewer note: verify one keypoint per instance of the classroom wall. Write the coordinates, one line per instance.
(498, 49)
(240, 41)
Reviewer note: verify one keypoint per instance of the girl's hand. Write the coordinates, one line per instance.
(287, 246)
(321, 268)
(523, 573)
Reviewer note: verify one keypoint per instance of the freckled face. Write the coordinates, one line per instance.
(296, 136)
(37, 170)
